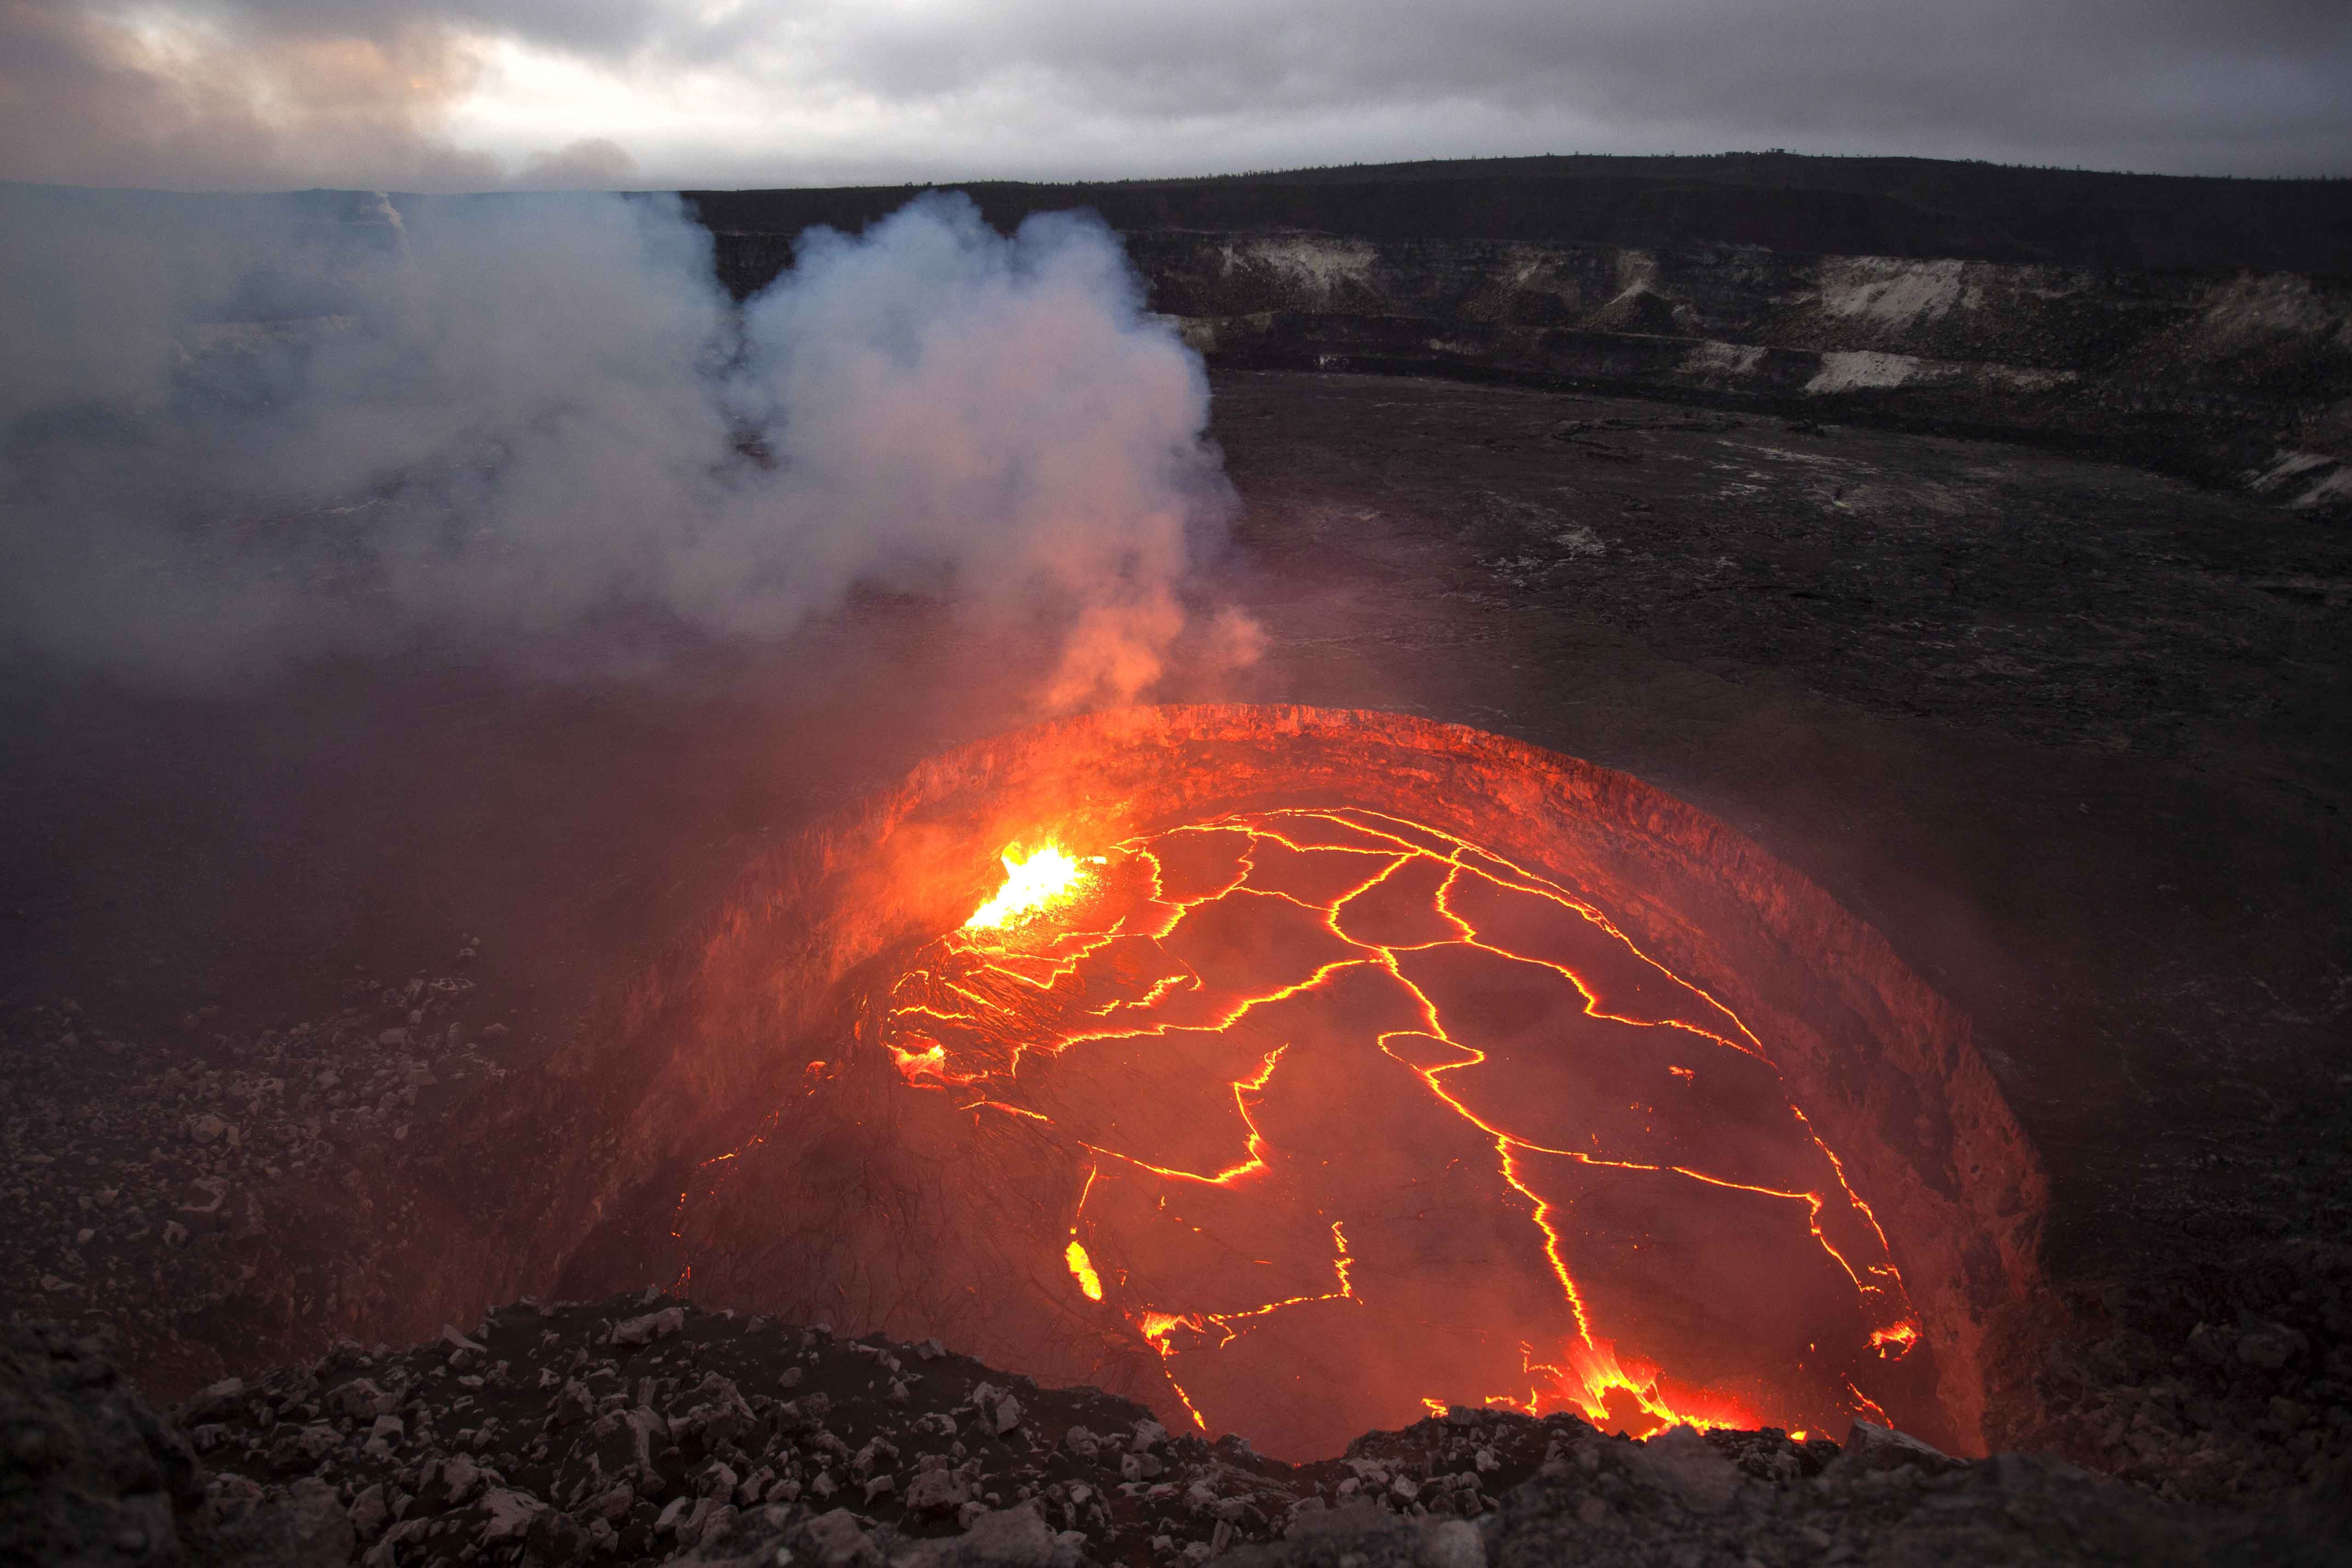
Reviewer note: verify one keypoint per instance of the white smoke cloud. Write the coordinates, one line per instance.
(242, 433)
(1006, 411)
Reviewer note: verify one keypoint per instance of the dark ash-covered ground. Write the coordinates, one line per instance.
(2073, 736)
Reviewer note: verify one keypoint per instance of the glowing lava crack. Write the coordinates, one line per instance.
(1366, 1119)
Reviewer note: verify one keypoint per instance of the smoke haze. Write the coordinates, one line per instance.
(241, 432)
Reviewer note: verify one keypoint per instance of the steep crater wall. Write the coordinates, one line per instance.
(2244, 378)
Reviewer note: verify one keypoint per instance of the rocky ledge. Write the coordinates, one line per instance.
(643, 1429)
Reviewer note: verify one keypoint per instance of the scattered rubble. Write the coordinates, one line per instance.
(146, 1185)
(2229, 1381)
(633, 1431)
(639, 1429)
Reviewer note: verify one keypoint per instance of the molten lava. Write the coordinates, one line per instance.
(1365, 1120)
(1082, 1269)
(1032, 884)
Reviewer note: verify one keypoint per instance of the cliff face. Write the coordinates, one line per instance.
(2201, 326)
(1916, 207)
(2243, 375)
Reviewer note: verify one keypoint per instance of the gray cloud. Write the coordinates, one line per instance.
(2078, 79)
(591, 163)
(228, 98)
(287, 91)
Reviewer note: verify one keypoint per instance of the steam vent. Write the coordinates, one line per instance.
(1297, 1072)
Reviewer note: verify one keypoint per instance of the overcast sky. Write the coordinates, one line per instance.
(475, 94)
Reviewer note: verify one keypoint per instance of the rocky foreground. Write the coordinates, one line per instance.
(646, 1430)
(206, 1197)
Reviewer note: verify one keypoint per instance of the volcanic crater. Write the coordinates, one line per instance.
(2060, 730)
(1352, 1066)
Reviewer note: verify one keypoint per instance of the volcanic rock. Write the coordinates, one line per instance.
(91, 1475)
(934, 1491)
(508, 1514)
(1461, 1491)
(308, 1528)
(2271, 1346)
(1686, 1465)
(88, 1474)
(573, 1405)
(1870, 1447)
(647, 1329)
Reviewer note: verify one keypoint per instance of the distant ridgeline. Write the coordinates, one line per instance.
(1913, 207)
(2198, 324)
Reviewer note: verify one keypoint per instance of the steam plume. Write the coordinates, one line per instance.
(242, 432)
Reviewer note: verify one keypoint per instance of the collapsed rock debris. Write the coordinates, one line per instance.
(640, 1429)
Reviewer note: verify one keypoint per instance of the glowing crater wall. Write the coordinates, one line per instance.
(846, 1147)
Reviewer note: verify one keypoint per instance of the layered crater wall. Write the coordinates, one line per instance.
(2248, 369)
(2196, 326)
(739, 1121)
